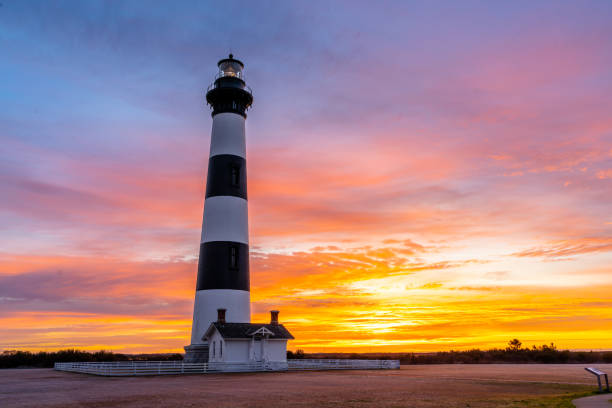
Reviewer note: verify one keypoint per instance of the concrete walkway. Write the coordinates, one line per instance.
(596, 401)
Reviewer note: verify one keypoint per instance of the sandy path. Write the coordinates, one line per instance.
(597, 401)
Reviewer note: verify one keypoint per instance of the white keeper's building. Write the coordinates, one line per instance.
(247, 342)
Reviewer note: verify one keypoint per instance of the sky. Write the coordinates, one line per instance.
(423, 176)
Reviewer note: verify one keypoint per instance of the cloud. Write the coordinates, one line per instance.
(569, 248)
(604, 174)
(396, 155)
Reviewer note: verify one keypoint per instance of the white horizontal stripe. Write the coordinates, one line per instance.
(228, 135)
(236, 302)
(226, 218)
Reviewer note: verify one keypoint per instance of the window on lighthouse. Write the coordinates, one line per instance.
(231, 68)
(235, 176)
(234, 257)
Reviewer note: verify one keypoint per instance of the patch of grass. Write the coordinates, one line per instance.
(556, 401)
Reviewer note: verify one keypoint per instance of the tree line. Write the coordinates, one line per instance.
(513, 353)
(45, 359)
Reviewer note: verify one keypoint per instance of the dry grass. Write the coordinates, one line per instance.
(474, 386)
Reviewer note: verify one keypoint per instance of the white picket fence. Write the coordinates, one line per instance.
(140, 368)
(325, 364)
(132, 368)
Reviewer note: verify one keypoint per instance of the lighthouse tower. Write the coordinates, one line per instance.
(223, 267)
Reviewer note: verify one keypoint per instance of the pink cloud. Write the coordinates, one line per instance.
(604, 174)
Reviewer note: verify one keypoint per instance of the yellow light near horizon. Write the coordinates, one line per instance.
(365, 301)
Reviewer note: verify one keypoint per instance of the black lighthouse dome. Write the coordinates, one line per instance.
(229, 92)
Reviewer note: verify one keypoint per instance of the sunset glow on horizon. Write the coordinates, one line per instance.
(421, 178)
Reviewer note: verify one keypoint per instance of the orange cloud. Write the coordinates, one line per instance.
(604, 174)
(569, 248)
(369, 298)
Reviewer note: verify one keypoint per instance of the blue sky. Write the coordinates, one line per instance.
(397, 152)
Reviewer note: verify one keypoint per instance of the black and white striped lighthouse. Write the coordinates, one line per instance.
(223, 268)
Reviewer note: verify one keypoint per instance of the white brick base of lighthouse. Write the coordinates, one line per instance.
(223, 266)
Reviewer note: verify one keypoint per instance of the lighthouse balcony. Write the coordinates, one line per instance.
(229, 94)
(228, 81)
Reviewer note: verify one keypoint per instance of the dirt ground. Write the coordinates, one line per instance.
(495, 385)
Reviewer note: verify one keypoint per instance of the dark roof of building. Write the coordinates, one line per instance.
(248, 330)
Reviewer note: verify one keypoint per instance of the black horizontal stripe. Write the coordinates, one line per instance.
(226, 176)
(229, 95)
(215, 268)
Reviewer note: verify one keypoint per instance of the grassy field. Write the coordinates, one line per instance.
(474, 386)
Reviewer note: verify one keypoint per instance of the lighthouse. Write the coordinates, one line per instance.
(223, 266)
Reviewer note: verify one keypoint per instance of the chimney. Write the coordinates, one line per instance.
(221, 316)
(274, 317)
